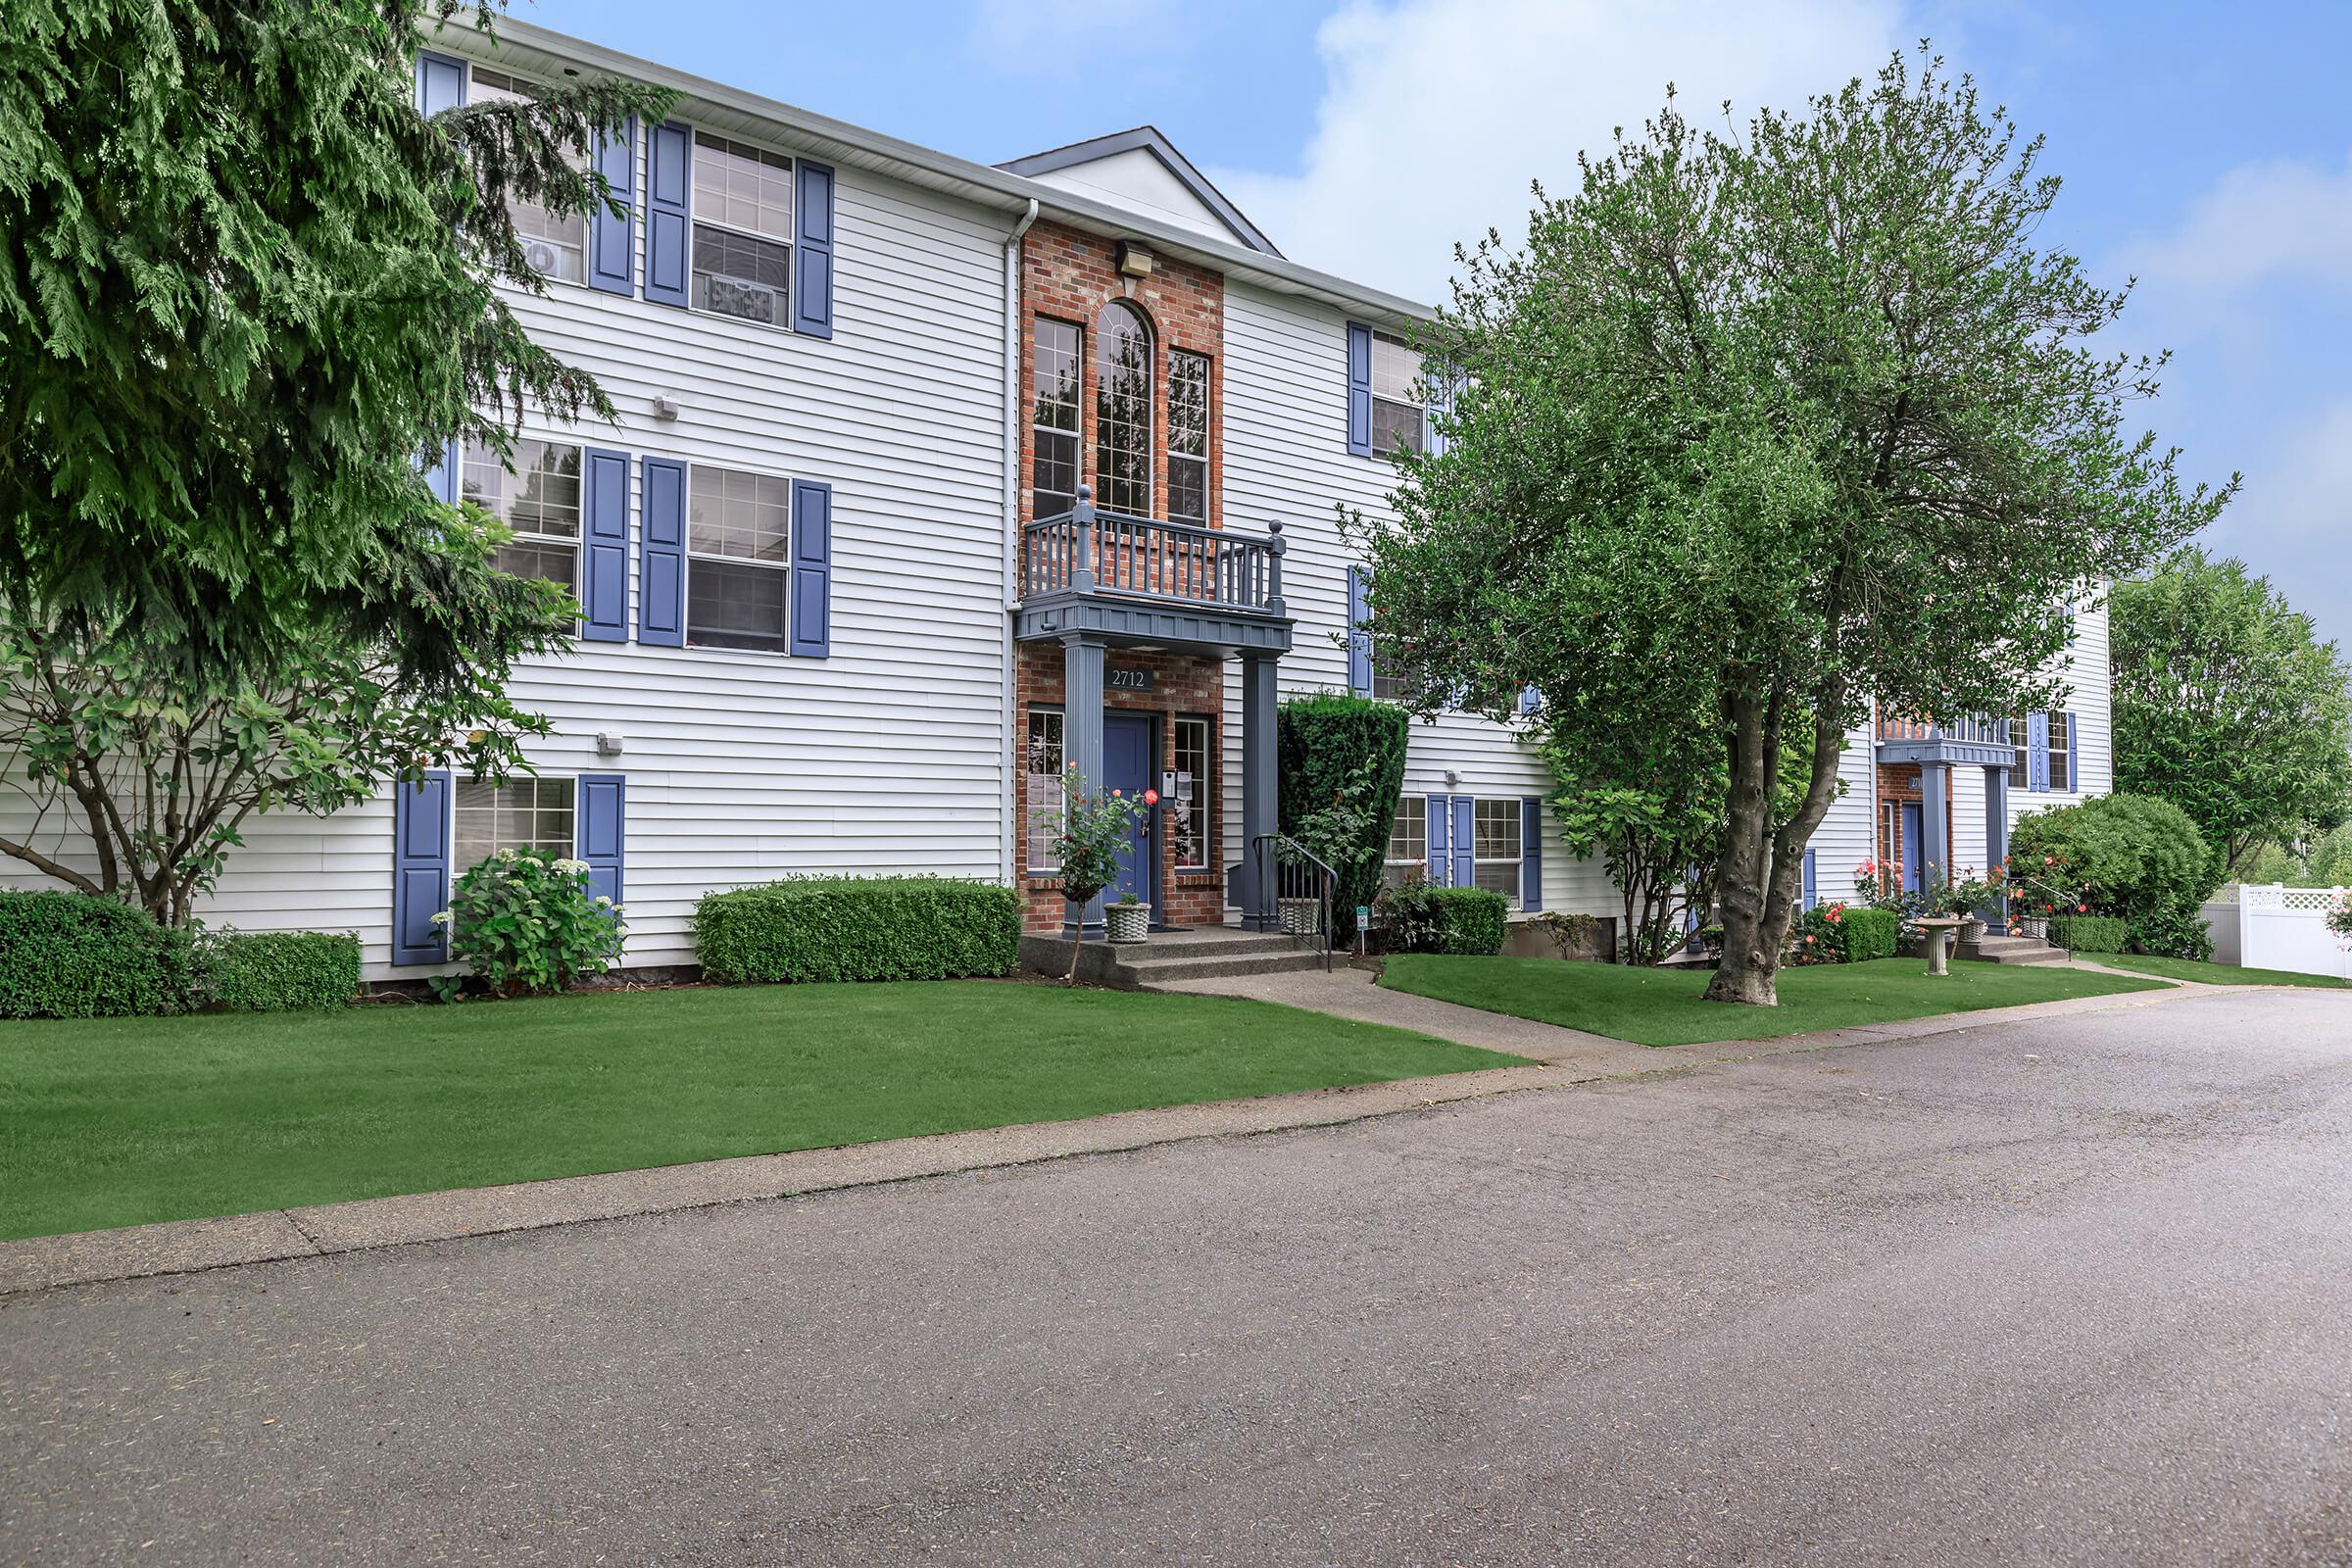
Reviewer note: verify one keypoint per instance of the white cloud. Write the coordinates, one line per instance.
(1047, 36)
(2260, 222)
(2304, 493)
(1437, 114)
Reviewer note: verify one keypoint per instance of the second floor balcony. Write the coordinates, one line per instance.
(1147, 578)
(1978, 741)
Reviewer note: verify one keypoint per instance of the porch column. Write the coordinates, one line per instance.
(1935, 795)
(1258, 798)
(1082, 743)
(1996, 833)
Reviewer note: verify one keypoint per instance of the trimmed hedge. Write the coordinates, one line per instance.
(859, 928)
(278, 971)
(73, 955)
(1320, 742)
(1871, 933)
(2090, 933)
(1472, 921)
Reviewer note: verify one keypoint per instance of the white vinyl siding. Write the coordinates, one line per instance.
(1284, 427)
(745, 766)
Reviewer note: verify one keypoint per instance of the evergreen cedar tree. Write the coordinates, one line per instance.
(2229, 706)
(1329, 746)
(1758, 426)
(246, 294)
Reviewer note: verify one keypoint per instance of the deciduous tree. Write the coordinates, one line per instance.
(1801, 406)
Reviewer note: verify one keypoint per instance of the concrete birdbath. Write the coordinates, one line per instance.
(1937, 929)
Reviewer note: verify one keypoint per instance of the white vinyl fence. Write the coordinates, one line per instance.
(2277, 927)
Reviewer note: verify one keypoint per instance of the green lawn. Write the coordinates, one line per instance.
(2212, 974)
(124, 1121)
(1661, 1007)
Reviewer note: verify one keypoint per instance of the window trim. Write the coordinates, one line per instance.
(517, 84)
(1515, 811)
(578, 541)
(1420, 425)
(1076, 433)
(460, 863)
(1042, 867)
(689, 556)
(1208, 380)
(695, 139)
(1120, 305)
(1203, 785)
(1417, 808)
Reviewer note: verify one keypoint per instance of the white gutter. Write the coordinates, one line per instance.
(1012, 528)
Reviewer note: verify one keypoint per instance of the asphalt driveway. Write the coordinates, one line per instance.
(2079, 1290)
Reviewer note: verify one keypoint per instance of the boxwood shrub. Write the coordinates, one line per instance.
(278, 971)
(73, 956)
(1870, 932)
(2090, 933)
(859, 928)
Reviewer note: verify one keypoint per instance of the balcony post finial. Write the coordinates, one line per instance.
(1274, 546)
(1081, 542)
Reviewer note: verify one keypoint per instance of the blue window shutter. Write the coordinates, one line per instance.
(1530, 699)
(612, 241)
(1360, 639)
(2074, 755)
(812, 569)
(1531, 853)
(2037, 752)
(669, 232)
(1441, 814)
(1360, 389)
(661, 554)
(1810, 895)
(600, 834)
(812, 255)
(604, 547)
(1466, 867)
(440, 83)
(419, 868)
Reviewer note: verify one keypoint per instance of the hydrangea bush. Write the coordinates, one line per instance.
(528, 925)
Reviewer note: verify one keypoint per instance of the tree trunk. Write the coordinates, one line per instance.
(1762, 874)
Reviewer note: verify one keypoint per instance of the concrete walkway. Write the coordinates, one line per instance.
(1563, 1058)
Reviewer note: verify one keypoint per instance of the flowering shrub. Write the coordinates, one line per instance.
(1881, 887)
(2339, 918)
(528, 926)
(1819, 936)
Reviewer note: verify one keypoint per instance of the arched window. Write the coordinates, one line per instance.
(1123, 410)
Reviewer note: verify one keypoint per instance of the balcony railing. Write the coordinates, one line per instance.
(1979, 731)
(1086, 551)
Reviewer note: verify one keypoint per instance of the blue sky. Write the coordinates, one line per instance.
(2205, 148)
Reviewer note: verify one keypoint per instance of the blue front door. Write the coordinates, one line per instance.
(1127, 755)
(1913, 849)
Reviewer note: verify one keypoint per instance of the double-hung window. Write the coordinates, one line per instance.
(1409, 841)
(1054, 367)
(540, 501)
(1192, 754)
(533, 814)
(738, 557)
(2062, 776)
(1188, 437)
(556, 245)
(742, 230)
(1397, 417)
(1042, 762)
(1496, 847)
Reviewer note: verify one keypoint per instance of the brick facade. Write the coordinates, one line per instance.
(1069, 277)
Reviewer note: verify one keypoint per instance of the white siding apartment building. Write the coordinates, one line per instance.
(848, 606)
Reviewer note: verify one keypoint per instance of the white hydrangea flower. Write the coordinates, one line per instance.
(508, 856)
(603, 903)
(570, 867)
(442, 919)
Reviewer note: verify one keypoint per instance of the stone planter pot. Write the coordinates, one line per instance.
(1300, 917)
(1127, 922)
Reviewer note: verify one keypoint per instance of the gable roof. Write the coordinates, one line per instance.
(1147, 139)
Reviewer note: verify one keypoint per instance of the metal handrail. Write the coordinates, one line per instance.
(1295, 856)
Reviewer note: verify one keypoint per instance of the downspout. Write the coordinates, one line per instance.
(1012, 534)
(1878, 813)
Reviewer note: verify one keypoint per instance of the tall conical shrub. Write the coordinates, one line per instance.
(1323, 743)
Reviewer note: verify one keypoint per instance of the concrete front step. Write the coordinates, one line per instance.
(1199, 955)
(1995, 950)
